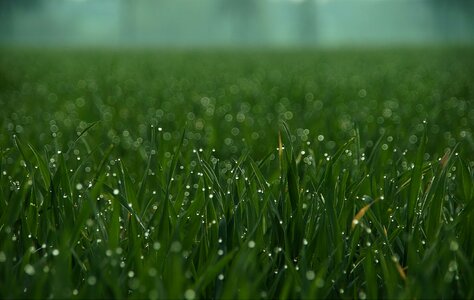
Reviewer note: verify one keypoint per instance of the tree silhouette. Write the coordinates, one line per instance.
(452, 17)
(307, 29)
(243, 16)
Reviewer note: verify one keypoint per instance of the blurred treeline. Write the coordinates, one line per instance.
(236, 22)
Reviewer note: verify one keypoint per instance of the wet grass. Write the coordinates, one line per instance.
(343, 174)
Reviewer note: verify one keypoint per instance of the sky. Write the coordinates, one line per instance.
(235, 22)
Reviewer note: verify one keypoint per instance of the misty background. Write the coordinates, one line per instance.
(235, 22)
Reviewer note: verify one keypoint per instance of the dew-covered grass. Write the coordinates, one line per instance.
(237, 174)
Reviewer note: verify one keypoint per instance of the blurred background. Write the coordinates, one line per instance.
(229, 23)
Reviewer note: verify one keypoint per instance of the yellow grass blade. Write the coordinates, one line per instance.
(444, 160)
(401, 271)
(361, 213)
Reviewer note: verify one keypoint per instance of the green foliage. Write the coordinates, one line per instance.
(223, 175)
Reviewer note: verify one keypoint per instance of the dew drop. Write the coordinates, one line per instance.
(319, 282)
(91, 280)
(176, 246)
(29, 269)
(251, 244)
(453, 246)
(152, 272)
(189, 294)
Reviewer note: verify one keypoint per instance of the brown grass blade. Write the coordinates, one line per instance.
(400, 270)
(361, 213)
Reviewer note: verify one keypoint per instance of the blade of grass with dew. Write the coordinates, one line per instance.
(435, 197)
(128, 188)
(125, 204)
(43, 168)
(412, 201)
(295, 219)
(85, 130)
(467, 176)
(370, 272)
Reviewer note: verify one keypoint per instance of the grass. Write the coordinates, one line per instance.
(329, 174)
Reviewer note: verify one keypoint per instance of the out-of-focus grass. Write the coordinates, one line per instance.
(162, 175)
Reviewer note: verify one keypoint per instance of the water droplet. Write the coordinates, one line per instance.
(30, 270)
(453, 266)
(152, 272)
(251, 244)
(176, 246)
(453, 246)
(91, 280)
(189, 294)
(310, 275)
(319, 282)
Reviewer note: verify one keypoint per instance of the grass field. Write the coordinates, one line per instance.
(246, 174)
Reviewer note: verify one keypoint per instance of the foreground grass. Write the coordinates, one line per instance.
(258, 175)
